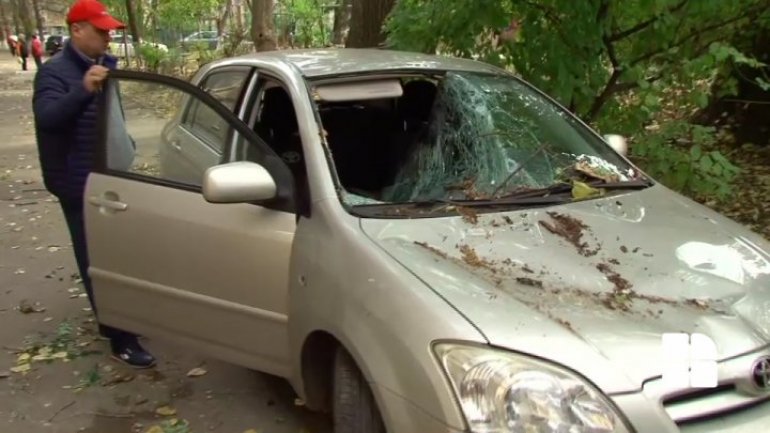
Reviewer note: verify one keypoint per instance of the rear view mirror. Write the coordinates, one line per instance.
(238, 182)
(617, 142)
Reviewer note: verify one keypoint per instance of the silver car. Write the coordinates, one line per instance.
(423, 244)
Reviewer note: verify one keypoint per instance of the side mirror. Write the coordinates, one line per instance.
(238, 182)
(617, 142)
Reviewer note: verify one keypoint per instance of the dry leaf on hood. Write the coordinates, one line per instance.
(582, 191)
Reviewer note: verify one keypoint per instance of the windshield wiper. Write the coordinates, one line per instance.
(557, 193)
(530, 199)
(553, 194)
(559, 188)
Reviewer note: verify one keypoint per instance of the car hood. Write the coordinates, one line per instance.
(594, 284)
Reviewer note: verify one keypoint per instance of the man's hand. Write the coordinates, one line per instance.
(94, 78)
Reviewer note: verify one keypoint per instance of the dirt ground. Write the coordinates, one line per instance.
(43, 315)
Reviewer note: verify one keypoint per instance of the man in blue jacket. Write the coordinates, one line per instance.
(65, 107)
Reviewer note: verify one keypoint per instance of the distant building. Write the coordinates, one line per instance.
(55, 22)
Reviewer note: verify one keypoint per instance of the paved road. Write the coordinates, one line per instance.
(91, 393)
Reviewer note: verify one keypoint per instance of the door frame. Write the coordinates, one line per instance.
(285, 199)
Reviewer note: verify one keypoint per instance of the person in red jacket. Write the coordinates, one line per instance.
(37, 51)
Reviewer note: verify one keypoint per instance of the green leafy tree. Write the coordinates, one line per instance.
(618, 64)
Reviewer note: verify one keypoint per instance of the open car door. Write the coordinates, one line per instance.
(167, 261)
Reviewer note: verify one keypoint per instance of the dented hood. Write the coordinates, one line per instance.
(593, 285)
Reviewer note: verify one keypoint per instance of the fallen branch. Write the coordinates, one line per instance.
(63, 408)
(746, 101)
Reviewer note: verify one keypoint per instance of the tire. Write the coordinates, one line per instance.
(353, 407)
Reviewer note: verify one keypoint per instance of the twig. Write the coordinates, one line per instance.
(518, 169)
(63, 408)
(644, 24)
(747, 101)
(113, 415)
(13, 349)
(691, 35)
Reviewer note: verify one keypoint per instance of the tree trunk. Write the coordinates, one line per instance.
(321, 19)
(130, 11)
(38, 18)
(15, 17)
(238, 14)
(262, 25)
(24, 18)
(222, 19)
(153, 20)
(367, 17)
(6, 26)
(341, 22)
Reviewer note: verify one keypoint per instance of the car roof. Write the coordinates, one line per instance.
(313, 63)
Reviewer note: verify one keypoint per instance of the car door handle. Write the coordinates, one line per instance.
(175, 144)
(106, 203)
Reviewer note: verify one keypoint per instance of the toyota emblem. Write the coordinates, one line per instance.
(760, 373)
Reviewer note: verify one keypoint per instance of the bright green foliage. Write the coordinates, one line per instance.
(697, 171)
(153, 57)
(309, 20)
(622, 65)
(179, 13)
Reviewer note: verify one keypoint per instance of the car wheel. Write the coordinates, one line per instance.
(354, 409)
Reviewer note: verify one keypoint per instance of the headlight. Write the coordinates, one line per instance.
(502, 392)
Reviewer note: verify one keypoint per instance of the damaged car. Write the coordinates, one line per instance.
(421, 243)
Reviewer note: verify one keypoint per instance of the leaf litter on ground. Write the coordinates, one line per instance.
(173, 425)
(197, 372)
(66, 343)
(165, 411)
(25, 307)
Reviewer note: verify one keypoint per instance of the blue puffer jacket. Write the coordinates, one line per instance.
(65, 123)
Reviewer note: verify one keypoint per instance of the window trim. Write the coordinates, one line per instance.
(285, 198)
(191, 109)
(249, 112)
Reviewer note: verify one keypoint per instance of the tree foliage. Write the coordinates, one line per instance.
(616, 63)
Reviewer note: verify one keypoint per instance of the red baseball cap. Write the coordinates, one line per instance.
(93, 12)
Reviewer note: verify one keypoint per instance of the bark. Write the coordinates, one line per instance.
(367, 18)
(24, 24)
(153, 19)
(222, 19)
(239, 14)
(14, 13)
(262, 32)
(130, 11)
(38, 18)
(5, 31)
(341, 22)
(321, 24)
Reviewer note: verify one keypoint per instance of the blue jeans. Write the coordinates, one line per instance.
(73, 213)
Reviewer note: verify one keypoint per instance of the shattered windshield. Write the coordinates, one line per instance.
(482, 137)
